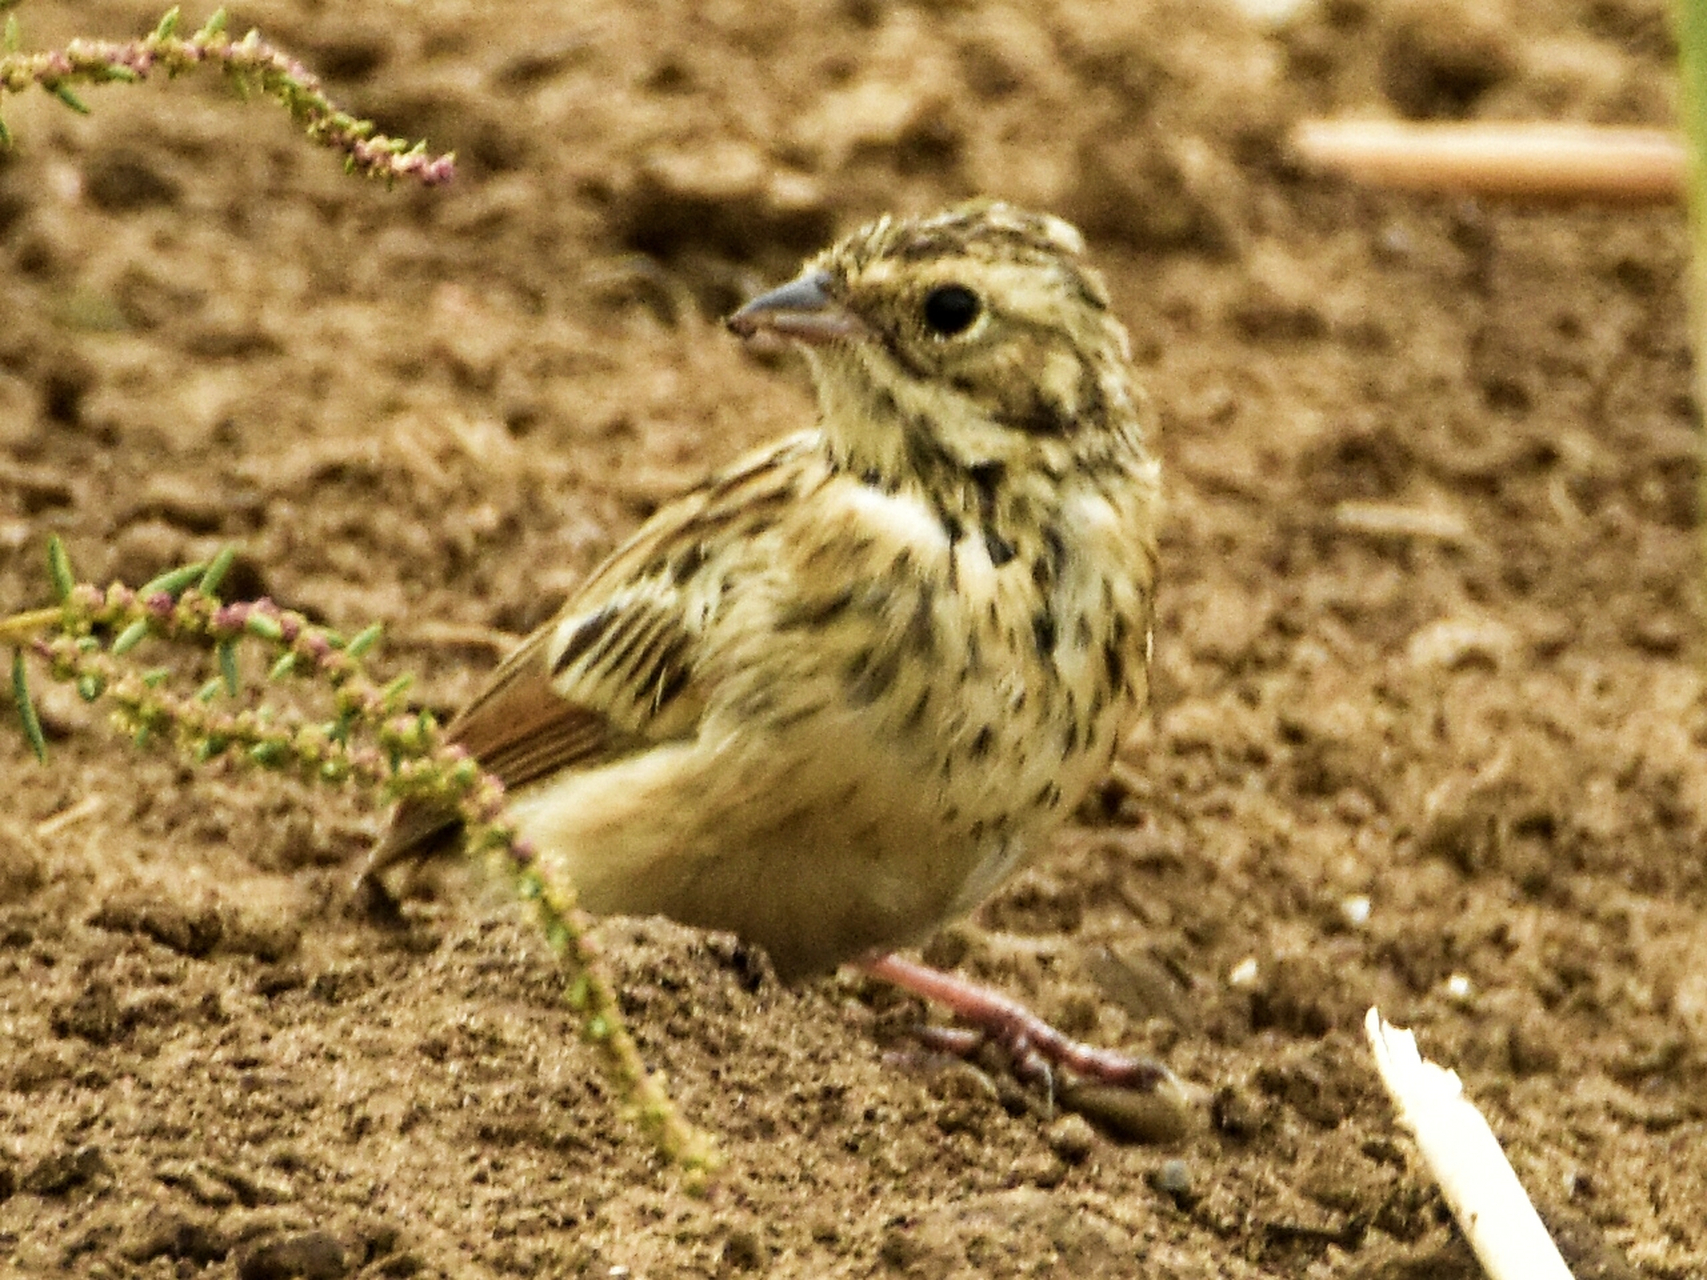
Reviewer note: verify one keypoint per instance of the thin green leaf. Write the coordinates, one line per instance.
(168, 25)
(59, 569)
(391, 697)
(213, 26)
(130, 637)
(259, 624)
(228, 665)
(364, 640)
(283, 667)
(209, 691)
(5, 137)
(13, 39)
(173, 580)
(269, 755)
(216, 571)
(65, 94)
(90, 687)
(154, 677)
(27, 708)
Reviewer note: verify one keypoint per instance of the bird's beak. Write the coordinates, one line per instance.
(802, 309)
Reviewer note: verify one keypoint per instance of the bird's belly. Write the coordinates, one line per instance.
(818, 863)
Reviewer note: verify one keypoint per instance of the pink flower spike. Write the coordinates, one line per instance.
(231, 617)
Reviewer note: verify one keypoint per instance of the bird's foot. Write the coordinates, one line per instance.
(1036, 1049)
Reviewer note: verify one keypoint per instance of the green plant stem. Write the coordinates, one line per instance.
(24, 626)
(565, 925)
(369, 743)
(249, 63)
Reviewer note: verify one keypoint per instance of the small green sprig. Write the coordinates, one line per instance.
(251, 64)
(370, 741)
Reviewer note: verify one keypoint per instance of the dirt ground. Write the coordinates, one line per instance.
(1428, 731)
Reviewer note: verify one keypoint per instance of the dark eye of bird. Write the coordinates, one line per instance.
(950, 309)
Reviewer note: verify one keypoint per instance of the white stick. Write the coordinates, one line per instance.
(1465, 1158)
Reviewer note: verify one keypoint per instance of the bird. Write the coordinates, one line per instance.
(835, 695)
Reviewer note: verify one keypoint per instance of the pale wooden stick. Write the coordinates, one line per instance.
(1465, 1158)
(1521, 160)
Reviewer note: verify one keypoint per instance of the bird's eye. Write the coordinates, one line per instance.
(950, 309)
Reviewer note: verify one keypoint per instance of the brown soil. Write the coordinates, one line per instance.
(1431, 591)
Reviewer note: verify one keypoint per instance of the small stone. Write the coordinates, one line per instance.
(168, 1233)
(279, 978)
(121, 182)
(1452, 644)
(94, 1015)
(1173, 1179)
(40, 1067)
(190, 929)
(56, 1174)
(1152, 1116)
(1071, 1137)
(269, 936)
(1660, 634)
(1040, 1169)
(1532, 1049)
(1236, 1113)
(307, 1255)
(898, 1250)
(198, 1183)
(341, 984)
(744, 1251)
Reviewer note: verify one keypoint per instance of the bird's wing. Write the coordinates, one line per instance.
(622, 667)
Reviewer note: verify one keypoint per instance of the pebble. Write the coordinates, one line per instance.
(1071, 1137)
(1151, 1116)
(1173, 1178)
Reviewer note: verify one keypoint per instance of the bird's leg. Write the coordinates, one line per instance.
(1037, 1048)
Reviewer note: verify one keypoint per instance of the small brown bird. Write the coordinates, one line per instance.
(835, 695)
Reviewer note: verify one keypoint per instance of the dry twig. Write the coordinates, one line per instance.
(1465, 1158)
(1518, 161)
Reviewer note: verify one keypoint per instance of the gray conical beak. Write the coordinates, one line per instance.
(802, 309)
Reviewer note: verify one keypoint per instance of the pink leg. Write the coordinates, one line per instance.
(1034, 1045)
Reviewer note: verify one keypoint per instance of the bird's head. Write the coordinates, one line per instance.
(970, 338)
